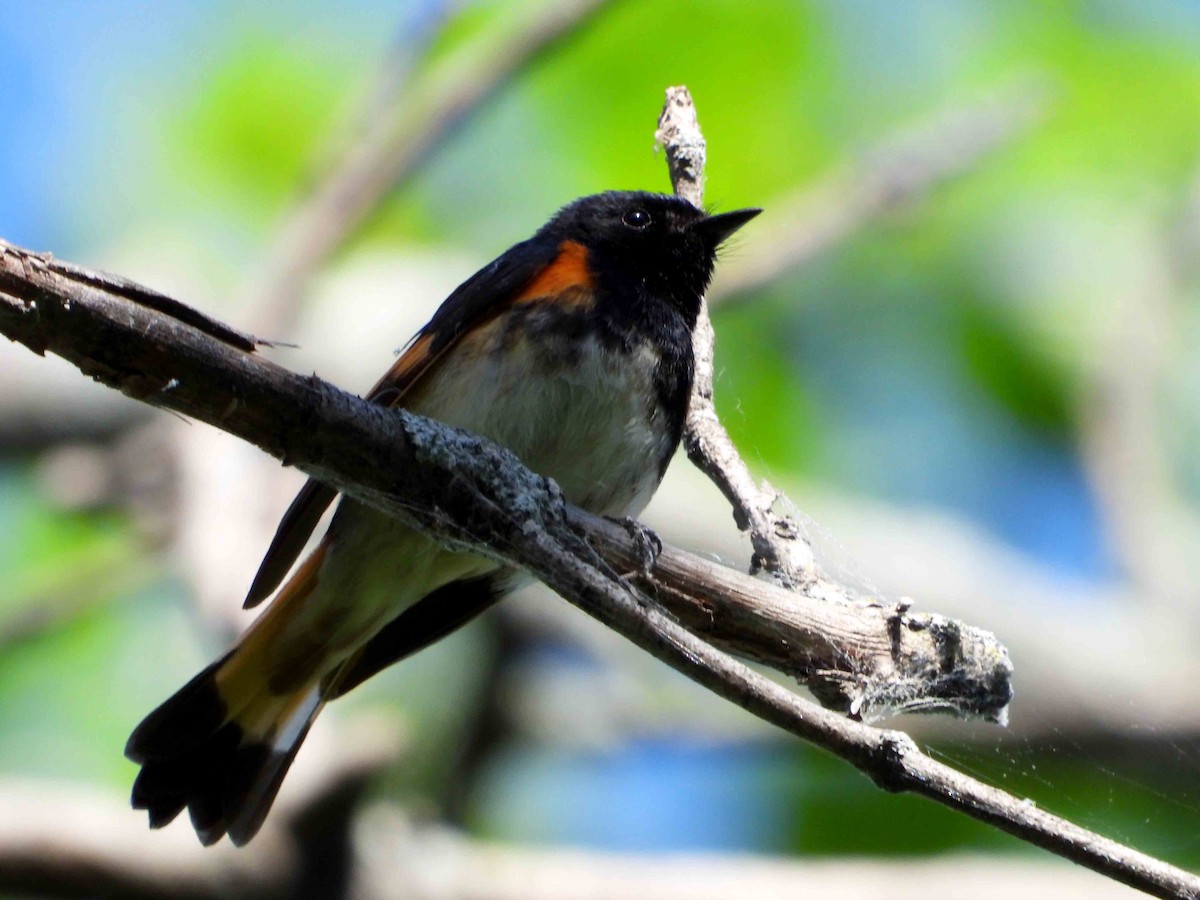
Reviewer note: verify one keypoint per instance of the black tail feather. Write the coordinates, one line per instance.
(195, 756)
(194, 780)
(192, 714)
(193, 759)
(255, 781)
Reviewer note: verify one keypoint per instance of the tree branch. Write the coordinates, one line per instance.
(56, 843)
(896, 762)
(474, 495)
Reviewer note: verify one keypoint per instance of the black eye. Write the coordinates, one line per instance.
(636, 218)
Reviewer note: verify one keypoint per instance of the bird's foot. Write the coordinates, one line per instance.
(649, 545)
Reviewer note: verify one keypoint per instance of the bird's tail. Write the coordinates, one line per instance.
(222, 744)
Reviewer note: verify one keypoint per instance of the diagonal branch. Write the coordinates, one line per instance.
(401, 140)
(474, 495)
(860, 657)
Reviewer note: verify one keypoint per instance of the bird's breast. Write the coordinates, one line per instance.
(582, 410)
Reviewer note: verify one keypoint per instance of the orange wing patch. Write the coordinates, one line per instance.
(568, 279)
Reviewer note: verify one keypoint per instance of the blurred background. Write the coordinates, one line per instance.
(963, 339)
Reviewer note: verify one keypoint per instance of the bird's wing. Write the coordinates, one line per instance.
(525, 270)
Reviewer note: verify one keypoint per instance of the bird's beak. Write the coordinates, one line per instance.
(716, 229)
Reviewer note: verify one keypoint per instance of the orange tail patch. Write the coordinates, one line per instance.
(222, 744)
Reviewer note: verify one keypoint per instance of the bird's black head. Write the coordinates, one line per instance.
(648, 244)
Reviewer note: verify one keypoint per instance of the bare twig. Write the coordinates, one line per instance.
(400, 142)
(474, 495)
(817, 220)
(778, 547)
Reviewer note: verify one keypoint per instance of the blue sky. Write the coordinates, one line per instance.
(79, 80)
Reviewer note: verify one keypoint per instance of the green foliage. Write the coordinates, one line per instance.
(49, 552)
(251, 131)
(1029, 386)
(756, 389)
(70, 625)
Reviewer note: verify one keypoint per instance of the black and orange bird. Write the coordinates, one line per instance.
(574, 350)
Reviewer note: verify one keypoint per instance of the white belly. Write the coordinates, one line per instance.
(594, 426)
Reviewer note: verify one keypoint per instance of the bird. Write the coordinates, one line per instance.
(573, 349)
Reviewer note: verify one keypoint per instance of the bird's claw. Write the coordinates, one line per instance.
(649, 544)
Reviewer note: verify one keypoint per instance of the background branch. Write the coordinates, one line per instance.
(891, 176)
(72, 844)
(401, 139)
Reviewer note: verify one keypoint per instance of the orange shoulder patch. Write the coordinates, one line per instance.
(568, 279)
